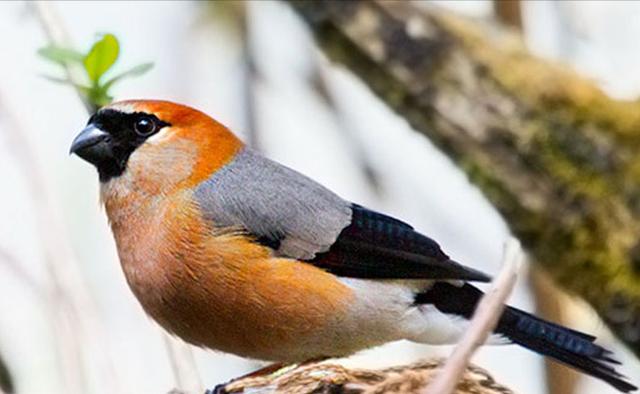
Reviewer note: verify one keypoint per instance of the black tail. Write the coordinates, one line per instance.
(567, 346)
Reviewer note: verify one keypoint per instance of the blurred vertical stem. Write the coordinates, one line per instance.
(509, 12)
(6, 381)
(235, 16)
(61, 266)
(550, 301)
(14, 267)
(57, 34)
(357, 150)
(183, 365)
(79, 328)
(251, 75)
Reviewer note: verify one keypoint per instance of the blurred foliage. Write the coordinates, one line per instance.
(96, 63)
(225, 11)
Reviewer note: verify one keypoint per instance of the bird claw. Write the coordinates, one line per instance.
(219, 389)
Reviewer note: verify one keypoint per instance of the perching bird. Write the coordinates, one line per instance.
(231, 251)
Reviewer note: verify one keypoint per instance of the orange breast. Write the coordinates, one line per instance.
(221, 290)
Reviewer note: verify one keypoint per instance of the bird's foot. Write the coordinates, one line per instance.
(219, 389)
(276, 369)
(268, 370)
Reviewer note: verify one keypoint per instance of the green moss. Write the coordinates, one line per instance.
(576, 147)
(548, 86)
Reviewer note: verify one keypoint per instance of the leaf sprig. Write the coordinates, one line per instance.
(96, 63)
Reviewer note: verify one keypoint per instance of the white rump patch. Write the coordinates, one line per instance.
(386, 308)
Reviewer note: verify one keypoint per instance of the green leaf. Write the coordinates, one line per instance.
(101, 57)
(133, 72)
(61, 55)
(66, 81)
(98, 61)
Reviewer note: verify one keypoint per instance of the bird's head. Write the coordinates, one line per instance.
(156, 141)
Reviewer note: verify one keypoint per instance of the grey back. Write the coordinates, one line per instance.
(270, 201)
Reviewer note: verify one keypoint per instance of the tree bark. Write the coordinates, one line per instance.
(549, 300)
(555, 155)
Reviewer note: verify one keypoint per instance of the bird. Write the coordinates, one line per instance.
(229, 250)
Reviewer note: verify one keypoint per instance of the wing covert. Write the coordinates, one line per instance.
(300, 219)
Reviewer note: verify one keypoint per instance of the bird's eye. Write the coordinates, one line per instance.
(144, 126)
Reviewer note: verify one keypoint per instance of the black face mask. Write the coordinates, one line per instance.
(111, 136)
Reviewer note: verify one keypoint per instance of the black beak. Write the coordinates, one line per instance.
(93, 145)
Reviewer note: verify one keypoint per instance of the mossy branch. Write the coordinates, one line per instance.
(557, 157)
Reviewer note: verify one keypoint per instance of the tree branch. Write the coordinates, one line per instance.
(556, 156)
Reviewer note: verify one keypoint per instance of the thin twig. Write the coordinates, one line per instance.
(57, 35)
(252, 75)
(57, 257)
(482, 324)
(185, 372)
(77, 289)
(357, 149)
(11, 263)
(78, 327)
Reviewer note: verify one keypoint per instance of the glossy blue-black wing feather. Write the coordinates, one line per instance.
(375, 245)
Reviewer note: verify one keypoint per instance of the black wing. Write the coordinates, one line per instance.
(378, 246)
